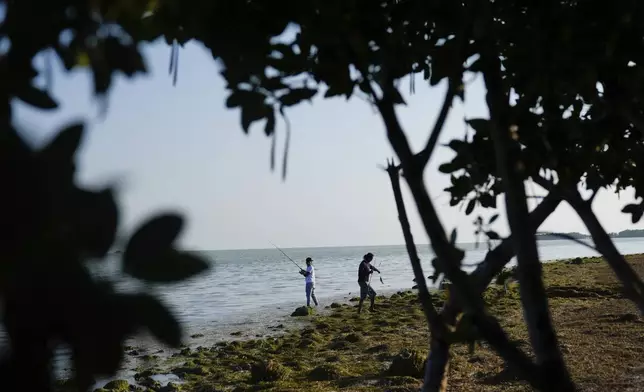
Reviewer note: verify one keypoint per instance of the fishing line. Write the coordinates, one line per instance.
(292, 261)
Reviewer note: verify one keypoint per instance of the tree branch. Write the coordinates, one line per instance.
(426, 153)
(633, 285)
(492, 265)
(434, 320)
(448, 256)
(497, 258)
(529, 271)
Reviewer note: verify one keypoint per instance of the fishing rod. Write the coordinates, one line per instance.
(292, 261)
(379, 273)
(379, 264)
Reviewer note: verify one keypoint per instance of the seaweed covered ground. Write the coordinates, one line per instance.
(601, 335)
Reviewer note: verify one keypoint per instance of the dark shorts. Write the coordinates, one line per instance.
(366, 290)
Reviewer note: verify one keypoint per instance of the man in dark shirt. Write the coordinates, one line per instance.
(364, 273)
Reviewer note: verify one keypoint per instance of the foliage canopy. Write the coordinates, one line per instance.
(563, 86)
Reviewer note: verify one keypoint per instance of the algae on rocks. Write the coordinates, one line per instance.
(302, 311)
(117, 386)
(408, 364)
(325, 372)
(267, 371)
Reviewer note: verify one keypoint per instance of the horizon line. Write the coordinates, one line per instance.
(386, 245)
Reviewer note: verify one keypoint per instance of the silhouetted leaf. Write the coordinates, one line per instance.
(37, 98)
(397, 98)
(635, 210)
(253, 111)
(242, 97)
(479, 124)
(470, 207)
(96, 221)
(167, 267)
(492, 235)
(296, 95)
(457, 145)
(493, 219)
(269, 128)
(336, 89)
(152, 238)
(452, 237)
(64, 145)
(487, 200)
(446, 168)
(154, 316)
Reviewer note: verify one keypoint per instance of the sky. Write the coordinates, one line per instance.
(177, 148)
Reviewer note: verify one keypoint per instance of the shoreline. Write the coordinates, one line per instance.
(337, 349)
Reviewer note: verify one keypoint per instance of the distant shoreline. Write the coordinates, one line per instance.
(581, 236)
(540, 237)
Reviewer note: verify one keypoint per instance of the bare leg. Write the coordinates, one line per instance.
(315, 300)
(372, 297)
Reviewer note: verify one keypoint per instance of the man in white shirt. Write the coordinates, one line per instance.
(309, 276)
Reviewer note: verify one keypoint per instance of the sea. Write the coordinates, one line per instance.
(250, 293)
(246, 292)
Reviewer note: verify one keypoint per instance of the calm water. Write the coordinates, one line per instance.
(249, 291)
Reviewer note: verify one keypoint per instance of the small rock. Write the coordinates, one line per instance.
(197, 335)
(237, 333)
(353, 338)
(267, 371)
(117, 386)
(338, 345)
(628, 317)
(324, 373)
(408, 364)
(378, 348)
(171, 387)
(577, 261)
(144, 374)
(150, 383)
(335, 305)
(302, 311)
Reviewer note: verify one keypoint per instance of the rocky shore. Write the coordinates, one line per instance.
(601, 335)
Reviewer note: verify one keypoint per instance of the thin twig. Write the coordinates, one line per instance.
(426, 153)
(632, 282)
(571, 238)
(287, 142)
(433, 318)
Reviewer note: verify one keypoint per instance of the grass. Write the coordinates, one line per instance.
(600, 333)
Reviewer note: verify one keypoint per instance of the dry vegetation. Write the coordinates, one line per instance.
(600, 332)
